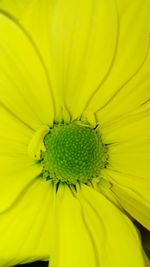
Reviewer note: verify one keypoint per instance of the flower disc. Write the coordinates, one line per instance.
(74, 153)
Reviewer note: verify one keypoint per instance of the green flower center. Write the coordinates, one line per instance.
(74, 153)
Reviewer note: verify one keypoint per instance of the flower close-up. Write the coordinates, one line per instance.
(74, 132)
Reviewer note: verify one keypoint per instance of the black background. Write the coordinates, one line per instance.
(34, 264)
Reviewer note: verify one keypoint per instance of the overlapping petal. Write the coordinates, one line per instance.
(16, 7)
(125, 116)
(91, 231)
(17, 170)
(133, 195)
(77, 40)
(128, 77)
(89, 60)
(129, 154)
(25, 229)
(126, 86)
(25, 105)
(24, 85)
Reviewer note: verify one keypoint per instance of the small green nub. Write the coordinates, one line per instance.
(74, 153)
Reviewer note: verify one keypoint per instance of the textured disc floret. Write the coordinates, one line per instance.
(73, 153)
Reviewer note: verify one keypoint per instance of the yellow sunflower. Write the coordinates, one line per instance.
(74, 131)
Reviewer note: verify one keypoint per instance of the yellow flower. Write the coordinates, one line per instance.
(79, 69)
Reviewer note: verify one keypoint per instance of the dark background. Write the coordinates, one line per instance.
(145, 239)
(34, 264)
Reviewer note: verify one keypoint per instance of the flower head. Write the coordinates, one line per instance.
(74, 131)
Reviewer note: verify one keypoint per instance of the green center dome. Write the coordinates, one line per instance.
(74, 153)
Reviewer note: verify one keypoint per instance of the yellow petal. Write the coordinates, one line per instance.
(36, 144)
(15, 8)
(132, 98)
(77, 40)
(25, 229)
(132, 192)
(131, 158)
(16, 169)
(12, 128)
(91, 231)
(126, 86)
(129, 169)
(129, 128)
(24, 84)
(16, 173)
